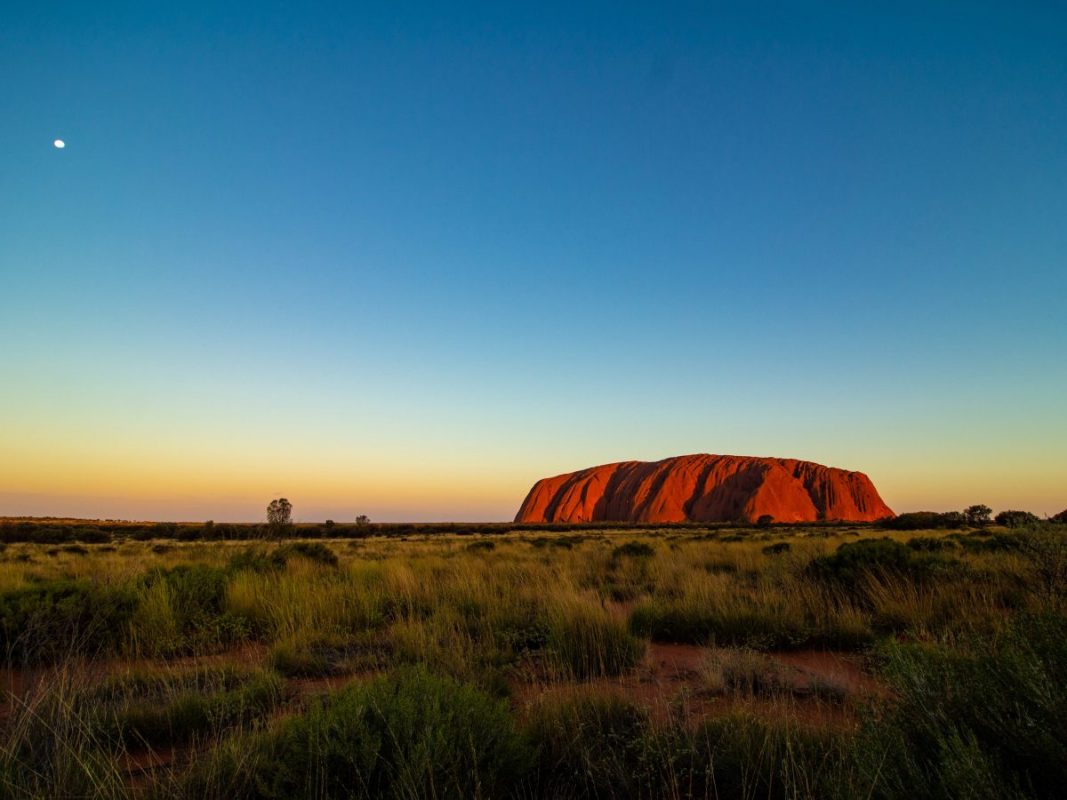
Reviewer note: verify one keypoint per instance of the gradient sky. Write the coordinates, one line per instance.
(404, 259)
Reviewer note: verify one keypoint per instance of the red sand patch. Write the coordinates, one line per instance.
(671, 684)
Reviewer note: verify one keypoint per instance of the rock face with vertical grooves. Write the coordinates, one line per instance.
(705, 488)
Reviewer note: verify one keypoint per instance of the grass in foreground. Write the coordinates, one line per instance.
(521, 666)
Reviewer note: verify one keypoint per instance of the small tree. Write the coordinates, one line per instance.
(363, 519)
(279, 516)
(977, 515)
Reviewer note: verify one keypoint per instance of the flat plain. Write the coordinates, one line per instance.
(495, 661)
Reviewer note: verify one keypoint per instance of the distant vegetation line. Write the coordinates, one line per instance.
(47, 530)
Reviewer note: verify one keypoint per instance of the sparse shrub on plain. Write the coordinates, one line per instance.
(589, 642)
(854, 560)
(409, 735)
(633, 550)
(1016, 519)
(63, 619)
(984, 722)
(589, 745)
(312, 551)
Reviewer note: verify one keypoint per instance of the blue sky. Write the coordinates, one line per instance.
(404, 259)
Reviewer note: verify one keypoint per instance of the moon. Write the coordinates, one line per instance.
(59, 144)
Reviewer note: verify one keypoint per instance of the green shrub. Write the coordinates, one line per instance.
(931, 544)
(751, 757)
(589, 745)
(1016, 519)
(997, 543)
(182, 610)
(257, 559)
(924, 521)
(56, 619)
(185, 713)
(983, 723)
(590, 643)
(633, 550)
(853, 560)
(686, 623)
(777, 548)
(312, 551)
(409, 735)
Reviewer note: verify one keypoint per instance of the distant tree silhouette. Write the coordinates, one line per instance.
(1015, 519)
(279, 516)
(978, 514)
(363, 519)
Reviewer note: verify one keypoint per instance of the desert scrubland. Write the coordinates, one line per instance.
(810, 661)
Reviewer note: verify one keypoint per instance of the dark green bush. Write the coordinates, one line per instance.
(56, 619)
(590, 746)
(258, 559)
(761, 629)
(989, 722)
(745, 756)
(633, 550)
(1016, 519)
(312, 551)
(591, 645)
(924, 520)
(853, 560)
(197, 596)
(409, 735)
(179, 716)
(777, 548)
(997, 543)
(931, 544)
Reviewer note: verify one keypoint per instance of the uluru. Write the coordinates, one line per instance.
(705, 488)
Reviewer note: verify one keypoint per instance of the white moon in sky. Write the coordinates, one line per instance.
(59, 144)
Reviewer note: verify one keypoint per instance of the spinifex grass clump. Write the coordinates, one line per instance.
(53, 620)
(589, 642)
(181, 610)
(855, 560)
(166, 707)
(410, 735)
(987, 720)
(53, 747)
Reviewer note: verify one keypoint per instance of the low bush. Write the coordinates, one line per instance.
(182, 610)
(924, 521)
(633, 550)
(181, 713)
(745, 756)
(777, 548)
(931, 544)
(408, 735)
(1016, 519)
(983, 723)
(591, 643)
(853, 560)
(57, 619)
(590, 745)
(257, 559)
